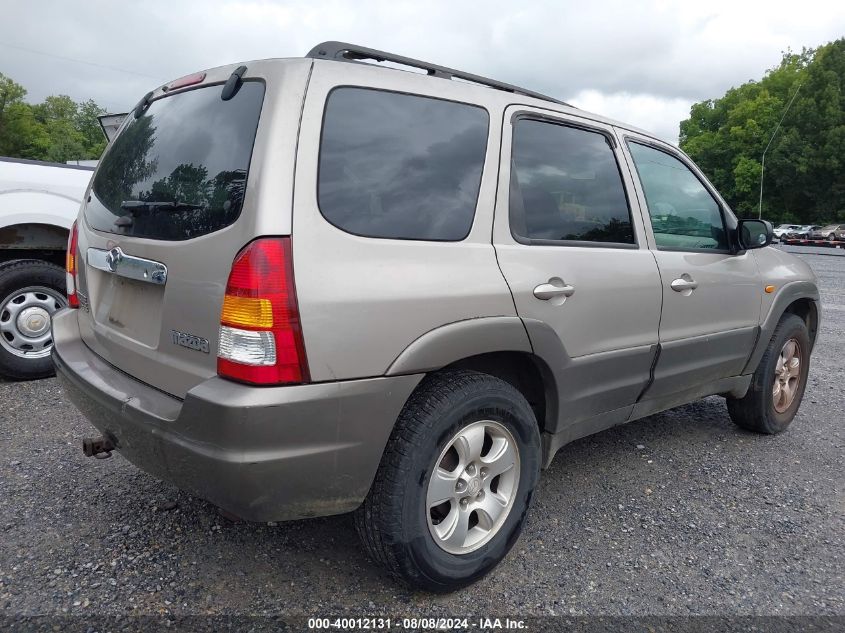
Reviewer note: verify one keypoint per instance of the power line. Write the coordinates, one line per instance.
(763, 162)
(80, 61)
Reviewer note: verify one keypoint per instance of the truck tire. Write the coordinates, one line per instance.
(31, 291)
(778, 384)
(455, 482)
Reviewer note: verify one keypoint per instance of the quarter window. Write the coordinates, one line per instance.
(683, 213)
(400, 166)
(566, 185)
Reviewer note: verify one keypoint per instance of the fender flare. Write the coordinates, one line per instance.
(787, 295)
(455, 341)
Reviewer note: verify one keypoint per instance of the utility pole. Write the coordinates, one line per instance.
(763, 161)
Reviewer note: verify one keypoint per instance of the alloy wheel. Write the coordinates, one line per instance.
(787, 376)
(472, 487)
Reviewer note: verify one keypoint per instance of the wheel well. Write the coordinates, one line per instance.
(525, 372)
(54, 257)
(46, 242)
(807, 310)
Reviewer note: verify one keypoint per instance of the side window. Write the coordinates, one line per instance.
(683, 213)
(400, 166)
(566, 185)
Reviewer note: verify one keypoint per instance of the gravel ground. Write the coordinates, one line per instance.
(677, 514)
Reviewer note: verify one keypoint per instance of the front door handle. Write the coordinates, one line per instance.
(555, 287)
(684, 283)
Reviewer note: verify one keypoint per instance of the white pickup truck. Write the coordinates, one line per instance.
(38, 203)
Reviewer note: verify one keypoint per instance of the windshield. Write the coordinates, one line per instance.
(179, 170)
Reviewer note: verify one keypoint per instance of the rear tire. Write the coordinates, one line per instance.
(25, 354)
(400, 523)
(775, 394)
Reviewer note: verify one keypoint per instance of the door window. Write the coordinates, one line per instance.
(566, 186)
(684, 216)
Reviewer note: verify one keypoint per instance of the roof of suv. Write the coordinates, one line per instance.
(342, 52)
(352, 53)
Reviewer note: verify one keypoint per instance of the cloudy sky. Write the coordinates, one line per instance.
(642, 61)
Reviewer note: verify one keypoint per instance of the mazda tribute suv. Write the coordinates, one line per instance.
(304, 287)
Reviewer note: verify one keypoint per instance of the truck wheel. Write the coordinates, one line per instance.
(778, 384)
(455, 481)
(30, 292)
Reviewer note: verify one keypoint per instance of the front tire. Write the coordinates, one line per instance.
(778, 384)
(30, 292)
(455, 482)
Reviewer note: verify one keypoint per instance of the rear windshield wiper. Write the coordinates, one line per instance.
(140, 205)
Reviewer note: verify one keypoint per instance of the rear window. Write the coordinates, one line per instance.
(400, 166)
(178, 171)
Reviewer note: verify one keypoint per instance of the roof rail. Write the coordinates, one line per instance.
(343, 51)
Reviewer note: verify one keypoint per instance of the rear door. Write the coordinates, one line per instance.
(711, 295)
(576, 259)
(174, 199)
(395, 186)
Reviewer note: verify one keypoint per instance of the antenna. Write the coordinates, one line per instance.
(763, 161)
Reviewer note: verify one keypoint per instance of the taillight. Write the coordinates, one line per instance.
(260, 333)
(71, 266)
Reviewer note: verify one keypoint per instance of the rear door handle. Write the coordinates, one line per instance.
(119, 263)
(555, 287)
(684, 283)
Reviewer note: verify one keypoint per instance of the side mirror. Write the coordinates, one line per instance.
(754, 233)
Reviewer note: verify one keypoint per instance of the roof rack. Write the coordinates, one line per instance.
(343, 51)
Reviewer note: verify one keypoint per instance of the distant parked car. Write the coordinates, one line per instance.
(803, 232)
(782, 230)
(829, 232)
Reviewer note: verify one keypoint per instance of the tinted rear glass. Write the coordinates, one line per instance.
(400, 166)
(191, 148)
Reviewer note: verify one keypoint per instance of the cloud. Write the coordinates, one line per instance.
(643, 62)
(655, 114)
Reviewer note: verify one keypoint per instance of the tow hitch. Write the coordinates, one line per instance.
(99, 447)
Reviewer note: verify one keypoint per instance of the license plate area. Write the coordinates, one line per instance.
(129, 307)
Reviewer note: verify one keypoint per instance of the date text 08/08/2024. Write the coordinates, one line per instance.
(382, 623)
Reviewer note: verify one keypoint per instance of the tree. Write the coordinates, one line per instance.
(805, 164)
(89, 126)
(19, 132)
(59, 129)
(10, 93)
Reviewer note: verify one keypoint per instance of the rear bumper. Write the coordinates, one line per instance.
(263, 454)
